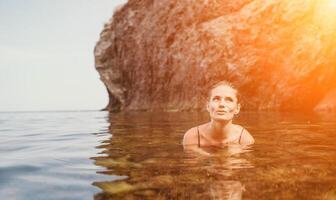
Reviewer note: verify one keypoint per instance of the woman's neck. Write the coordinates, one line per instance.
(219, 130)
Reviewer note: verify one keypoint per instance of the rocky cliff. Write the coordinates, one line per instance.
(164, 54)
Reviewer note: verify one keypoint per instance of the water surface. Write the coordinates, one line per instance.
(293, 158)
(97, 155)
(46, 155)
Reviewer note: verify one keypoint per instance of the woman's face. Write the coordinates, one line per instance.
(223, 103)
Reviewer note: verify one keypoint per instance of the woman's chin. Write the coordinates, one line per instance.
(222, 118)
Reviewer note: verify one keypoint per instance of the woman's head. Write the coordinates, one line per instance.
(223, 101)
(224, 83)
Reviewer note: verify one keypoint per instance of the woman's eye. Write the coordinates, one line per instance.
(229, 99)
(216, 98)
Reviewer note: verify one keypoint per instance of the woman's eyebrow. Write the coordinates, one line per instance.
(229, 98)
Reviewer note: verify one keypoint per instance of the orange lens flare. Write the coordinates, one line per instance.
(325, 16)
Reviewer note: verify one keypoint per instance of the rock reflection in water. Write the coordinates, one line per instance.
(293, 158)
(146, 160)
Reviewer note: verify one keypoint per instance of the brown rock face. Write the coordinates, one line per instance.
(164, 54)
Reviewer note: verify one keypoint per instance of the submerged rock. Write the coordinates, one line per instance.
(164, 54)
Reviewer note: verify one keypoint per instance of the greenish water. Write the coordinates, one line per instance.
(293, 158)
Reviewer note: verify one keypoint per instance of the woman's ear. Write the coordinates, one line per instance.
(207, 106)
(237, 109)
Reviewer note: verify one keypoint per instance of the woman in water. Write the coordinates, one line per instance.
(222, 105)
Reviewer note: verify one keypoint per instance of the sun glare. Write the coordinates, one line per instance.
(331, 4)
(325, 15)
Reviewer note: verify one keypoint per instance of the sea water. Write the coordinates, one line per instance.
(138, 155)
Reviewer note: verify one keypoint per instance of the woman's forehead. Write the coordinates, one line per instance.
(223, 90)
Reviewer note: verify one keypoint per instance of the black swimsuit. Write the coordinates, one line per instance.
(199, 138)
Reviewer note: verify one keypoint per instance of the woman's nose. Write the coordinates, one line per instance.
(221, 103)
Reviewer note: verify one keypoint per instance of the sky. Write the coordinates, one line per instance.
(46, 54)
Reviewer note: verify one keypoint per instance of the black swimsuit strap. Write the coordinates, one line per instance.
(199, 139)
(241, 133)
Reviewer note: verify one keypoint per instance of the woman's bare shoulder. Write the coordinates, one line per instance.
(246, 136)
(190, 137)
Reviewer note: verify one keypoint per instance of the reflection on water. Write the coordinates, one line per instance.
(96, 155)
(293, 158)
